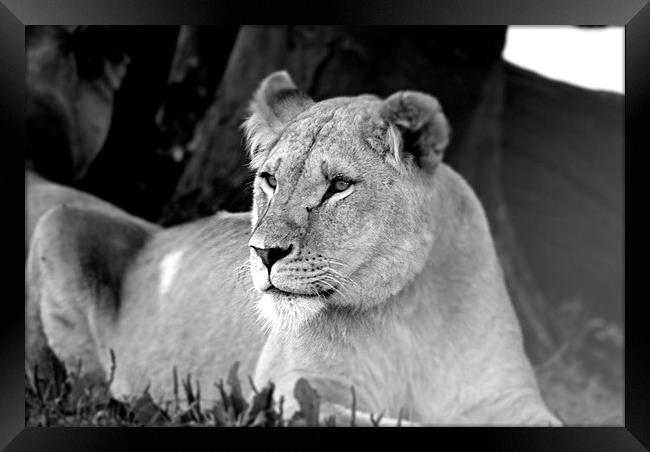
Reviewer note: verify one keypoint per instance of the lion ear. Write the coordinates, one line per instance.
(418, 129)
(276, 102)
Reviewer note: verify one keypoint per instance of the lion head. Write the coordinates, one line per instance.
(344, 197)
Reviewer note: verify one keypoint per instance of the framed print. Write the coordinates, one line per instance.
(416, 220)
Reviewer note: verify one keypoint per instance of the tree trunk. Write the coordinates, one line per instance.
(199, 62)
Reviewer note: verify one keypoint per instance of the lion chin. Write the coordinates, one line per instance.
(278, 310)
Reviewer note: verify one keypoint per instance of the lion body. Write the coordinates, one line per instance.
(419, 321)
(171, 287)
(163, 297)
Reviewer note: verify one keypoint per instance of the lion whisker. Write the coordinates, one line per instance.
(338, 286)
(330, 285)
(346, 278)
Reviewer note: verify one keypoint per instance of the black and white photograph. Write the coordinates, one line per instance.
(313, 225)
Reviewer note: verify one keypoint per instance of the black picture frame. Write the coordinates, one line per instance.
(633, 14)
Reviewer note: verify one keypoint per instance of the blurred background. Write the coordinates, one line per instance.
(148, 118)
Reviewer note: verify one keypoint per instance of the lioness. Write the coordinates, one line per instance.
(365, 262)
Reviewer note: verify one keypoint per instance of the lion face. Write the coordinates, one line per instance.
(341, 214)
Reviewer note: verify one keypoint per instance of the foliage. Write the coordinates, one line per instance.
(70, 400)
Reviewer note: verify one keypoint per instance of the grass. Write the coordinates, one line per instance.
(575, 395)
(581, 383)
(67, 400)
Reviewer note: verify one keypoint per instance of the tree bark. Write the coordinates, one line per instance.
(199, 62)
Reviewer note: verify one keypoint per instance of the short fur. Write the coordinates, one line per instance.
(392, 286)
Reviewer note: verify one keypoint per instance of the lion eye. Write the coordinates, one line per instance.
(270, 179)
(340, 185)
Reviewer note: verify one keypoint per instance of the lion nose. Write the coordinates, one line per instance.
(270, 256)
